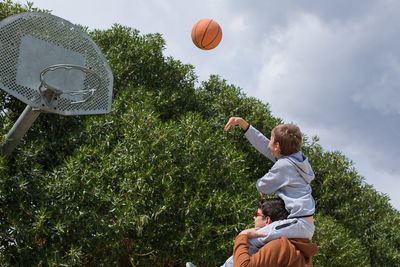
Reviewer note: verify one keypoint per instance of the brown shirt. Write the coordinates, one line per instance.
(277, 253)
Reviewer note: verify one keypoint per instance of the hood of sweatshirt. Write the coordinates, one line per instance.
(302, 165)
(304, 245)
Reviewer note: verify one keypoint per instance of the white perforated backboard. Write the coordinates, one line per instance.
(31, 42)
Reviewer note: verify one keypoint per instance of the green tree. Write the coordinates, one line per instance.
(337, 246)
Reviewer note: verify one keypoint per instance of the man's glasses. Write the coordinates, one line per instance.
(256, 214)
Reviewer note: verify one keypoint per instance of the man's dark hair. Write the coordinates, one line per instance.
(274, 208)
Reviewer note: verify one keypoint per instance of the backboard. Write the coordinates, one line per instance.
(32, 43)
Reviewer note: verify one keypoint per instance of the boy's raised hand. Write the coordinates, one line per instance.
(236, 121)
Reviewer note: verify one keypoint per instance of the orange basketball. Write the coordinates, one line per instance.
(206, 34)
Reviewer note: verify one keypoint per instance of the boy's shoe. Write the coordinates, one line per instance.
(189, 264)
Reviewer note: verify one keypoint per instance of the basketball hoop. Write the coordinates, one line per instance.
(53, 66)
(39, 50)
(86, 94)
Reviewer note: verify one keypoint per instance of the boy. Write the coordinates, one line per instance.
(289, 178)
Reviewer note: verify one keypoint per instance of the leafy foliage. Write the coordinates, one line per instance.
(157, 182)
(337, 246)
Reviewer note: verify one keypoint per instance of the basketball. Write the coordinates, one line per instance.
(206, 34)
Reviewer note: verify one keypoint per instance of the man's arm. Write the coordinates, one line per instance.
(268, 255)
(241, 256)
(278, 252)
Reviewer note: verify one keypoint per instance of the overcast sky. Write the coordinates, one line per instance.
(331, 67)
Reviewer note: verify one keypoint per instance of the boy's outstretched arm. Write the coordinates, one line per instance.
(257, 139)
(237, 121)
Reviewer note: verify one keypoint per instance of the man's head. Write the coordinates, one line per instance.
(269, 210)
(285, 139)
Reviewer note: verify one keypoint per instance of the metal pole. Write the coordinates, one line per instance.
(24, 122)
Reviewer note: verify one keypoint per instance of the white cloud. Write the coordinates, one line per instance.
(337, 80)
(369, 162)
(384, 182)
(382, 93)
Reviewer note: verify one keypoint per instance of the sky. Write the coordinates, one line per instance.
(331, 67)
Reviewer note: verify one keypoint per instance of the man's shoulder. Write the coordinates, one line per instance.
(298, 243)
(286, 250)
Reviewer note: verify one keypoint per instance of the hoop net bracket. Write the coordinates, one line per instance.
(51, 93)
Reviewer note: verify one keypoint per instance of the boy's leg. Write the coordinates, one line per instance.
(291, 228)
(229, 262)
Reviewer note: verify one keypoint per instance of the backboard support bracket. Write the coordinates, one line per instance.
(20, 127)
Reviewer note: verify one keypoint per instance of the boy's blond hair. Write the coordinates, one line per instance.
(289, 138)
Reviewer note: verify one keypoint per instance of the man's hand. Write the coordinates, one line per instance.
(252, 233)
(236, 121)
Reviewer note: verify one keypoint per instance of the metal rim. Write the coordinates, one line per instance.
(88, 92)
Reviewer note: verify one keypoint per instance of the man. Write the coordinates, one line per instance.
(279, 252)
